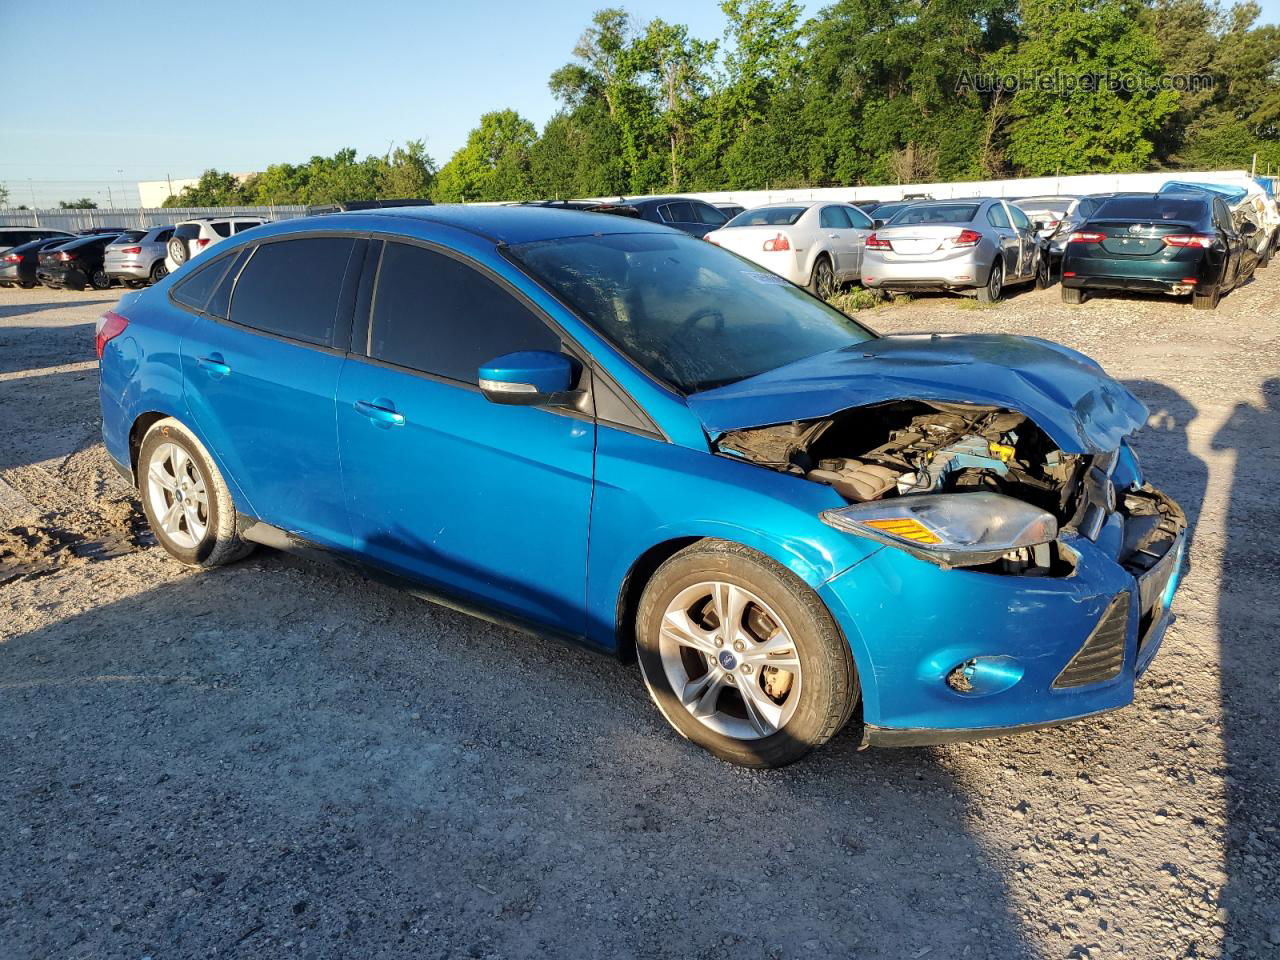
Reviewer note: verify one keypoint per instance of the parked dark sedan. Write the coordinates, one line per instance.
(77, 264)
(694, 217)
(18, 266)
(1175, 243)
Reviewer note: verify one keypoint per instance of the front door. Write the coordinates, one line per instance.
(489, 503)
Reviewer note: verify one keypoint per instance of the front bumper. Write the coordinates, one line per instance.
(911, 625)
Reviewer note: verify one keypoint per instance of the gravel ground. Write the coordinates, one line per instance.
(275, 759)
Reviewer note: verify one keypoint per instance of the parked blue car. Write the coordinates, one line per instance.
(619, 434)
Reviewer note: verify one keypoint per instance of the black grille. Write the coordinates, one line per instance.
(1102, 655)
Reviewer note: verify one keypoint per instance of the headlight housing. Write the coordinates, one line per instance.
(949, 529)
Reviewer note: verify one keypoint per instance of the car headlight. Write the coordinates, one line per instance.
(949, 529)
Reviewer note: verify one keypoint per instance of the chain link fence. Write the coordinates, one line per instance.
(136, 218)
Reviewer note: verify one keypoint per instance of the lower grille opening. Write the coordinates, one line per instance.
(1101, 657)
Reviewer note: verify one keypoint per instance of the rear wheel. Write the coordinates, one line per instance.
(1208, 300)
(823, 282)
(1072, 295)
(994, 288)
(1043, 278)
(28, 284)
(158, 271)
(99, 279)
(741, 657)
(187, 504)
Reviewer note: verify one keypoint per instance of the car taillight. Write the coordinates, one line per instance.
(1189, 240)
(966, 238)
(1051, 224)
(130, 250)
(202, 242)
(1086, 236)
(13, 258)
(110, 326)
(63, 256)
(876, 242)
(780, 242)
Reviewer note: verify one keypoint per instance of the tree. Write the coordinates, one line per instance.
(84, 203)
(4, 195)
(410, 171)
(1085, 125)
(494, 164)
(213, 189)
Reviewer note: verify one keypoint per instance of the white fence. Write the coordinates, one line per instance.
(135, 218)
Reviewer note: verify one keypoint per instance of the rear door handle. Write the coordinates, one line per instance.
(379, 414)
(216, 366)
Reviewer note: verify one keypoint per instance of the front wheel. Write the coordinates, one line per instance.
(994, 288)
(1043, 278)
(741, 657)
(187, 504)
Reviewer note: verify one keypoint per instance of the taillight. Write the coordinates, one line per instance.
(876, 242)
(1051, 224)
(780, 242)
(966, 238)
(1086, 236)
(202, 242)
(110, 326)
(64, 256)
(130, 250)
(1189, 240)
(13, 258)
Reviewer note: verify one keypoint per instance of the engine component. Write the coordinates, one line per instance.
(855, 480)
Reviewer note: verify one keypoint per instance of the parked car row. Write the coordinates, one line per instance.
(101, 256)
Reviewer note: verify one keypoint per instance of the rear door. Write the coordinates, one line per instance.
(1008, 240)
(1233, 243)
(1028, 239)
(837, 236)
(488, 502)
(863, 227)
(260, 370)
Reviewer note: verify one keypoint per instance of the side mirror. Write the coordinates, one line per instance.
(1037, 226)
(527, 378)
(877, 224)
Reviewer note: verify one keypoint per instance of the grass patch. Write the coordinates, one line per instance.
(860, 298)
(973, 303)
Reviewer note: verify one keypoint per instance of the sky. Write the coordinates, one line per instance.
(158, 89)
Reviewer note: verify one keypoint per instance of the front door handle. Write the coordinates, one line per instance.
(215, 365)
(380, 414)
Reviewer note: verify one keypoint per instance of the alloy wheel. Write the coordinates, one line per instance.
(730, 660)
(826, 279)
(178, 497)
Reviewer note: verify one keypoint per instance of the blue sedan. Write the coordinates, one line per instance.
(618, 434)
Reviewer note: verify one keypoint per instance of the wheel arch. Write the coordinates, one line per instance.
(632, 587)
(145, 421)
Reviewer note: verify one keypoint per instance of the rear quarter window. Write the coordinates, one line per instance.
(221, 227)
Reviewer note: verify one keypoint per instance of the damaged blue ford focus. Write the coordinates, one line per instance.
(605, 430)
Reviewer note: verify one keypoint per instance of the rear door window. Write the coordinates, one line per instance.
(194, 290)
(243, 225)
(292, 288)
(221, 227)
(677, 212)
(996, 216)
(834, 218)
(437, 315)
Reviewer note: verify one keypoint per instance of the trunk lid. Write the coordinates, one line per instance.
(922, 242)
(1064, 393)
(1137, 238)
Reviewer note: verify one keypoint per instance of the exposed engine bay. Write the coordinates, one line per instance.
(908, 447)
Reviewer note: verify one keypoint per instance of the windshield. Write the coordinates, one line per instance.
(687, 311)
(935, 213)
(768, 217)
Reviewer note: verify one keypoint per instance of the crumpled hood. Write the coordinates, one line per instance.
(1065, 394)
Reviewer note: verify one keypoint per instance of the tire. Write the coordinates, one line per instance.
(993, 289)
(772, 604)
(1265, 257)
(1206, 301)
(1072, 295)
(28, 284)
(136, 284)
(158, 271)
(178, 252)
(822, 283)
(210, 543)
(99, 280)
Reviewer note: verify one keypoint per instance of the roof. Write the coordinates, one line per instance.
(502, 224)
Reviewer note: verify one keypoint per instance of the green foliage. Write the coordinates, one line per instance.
(84, 203)
(863, 91)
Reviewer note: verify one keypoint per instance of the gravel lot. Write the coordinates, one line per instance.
(275, 759)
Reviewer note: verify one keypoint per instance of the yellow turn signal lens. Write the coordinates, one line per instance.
(904, 527)
(1001, 452)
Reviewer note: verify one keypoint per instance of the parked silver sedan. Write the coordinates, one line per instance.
(813, 244)
(137, 256)
(982, 245)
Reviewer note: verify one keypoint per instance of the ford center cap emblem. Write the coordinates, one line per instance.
(727, 660)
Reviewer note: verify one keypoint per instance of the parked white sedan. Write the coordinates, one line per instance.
(814, 244)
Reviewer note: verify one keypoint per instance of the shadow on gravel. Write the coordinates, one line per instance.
(21, 309)
(280, 752)
(31, 348)
(1247, 649)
